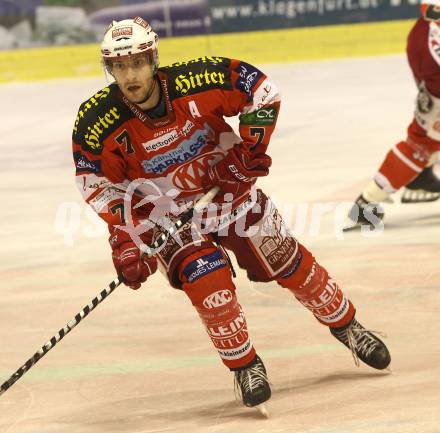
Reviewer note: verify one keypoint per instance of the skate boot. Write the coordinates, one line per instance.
(252, 384)
(424, 188)
(363, 345)
(362, 213)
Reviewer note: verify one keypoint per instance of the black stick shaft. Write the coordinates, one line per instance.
(61, 334)
(98, 299)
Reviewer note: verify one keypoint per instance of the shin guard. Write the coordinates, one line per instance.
(312, 286)
(206, 279)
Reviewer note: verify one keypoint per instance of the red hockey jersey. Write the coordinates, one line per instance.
(423, 51)
(116, 143)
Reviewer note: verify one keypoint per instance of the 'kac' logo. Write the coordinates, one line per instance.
(218, 299)
(188, 177)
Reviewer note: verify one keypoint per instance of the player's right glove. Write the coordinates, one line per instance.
(237, 171)
(128, 260)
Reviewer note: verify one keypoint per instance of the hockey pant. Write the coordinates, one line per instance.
(266, 250)
(406, 160)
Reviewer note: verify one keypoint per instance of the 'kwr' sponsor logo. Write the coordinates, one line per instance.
(204, 266)
(186, 150)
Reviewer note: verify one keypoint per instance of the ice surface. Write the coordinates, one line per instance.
(142, 362)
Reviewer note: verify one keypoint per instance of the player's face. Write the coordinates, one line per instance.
(134, 75)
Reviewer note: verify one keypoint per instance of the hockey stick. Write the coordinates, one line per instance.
(104, 294)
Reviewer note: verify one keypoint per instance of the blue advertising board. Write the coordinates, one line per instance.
(168, 18)
(247, 15)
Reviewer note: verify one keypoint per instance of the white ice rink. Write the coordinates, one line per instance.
(141, 362)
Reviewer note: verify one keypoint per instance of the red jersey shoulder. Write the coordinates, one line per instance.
(423, 50)
(98, 117)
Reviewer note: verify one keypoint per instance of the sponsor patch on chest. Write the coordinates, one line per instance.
(185, 151)
(168, 138)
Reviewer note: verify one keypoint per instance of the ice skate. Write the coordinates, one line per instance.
(252, 385)
(363, 344)
(424, 188)
(363, 213)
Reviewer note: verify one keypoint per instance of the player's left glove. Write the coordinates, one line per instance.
(237, 171)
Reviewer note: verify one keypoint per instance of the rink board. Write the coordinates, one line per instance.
(272, 46)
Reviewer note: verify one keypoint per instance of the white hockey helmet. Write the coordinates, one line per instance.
(130, 37)
(431, 10)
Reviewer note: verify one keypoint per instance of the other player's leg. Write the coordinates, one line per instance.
(406, 165)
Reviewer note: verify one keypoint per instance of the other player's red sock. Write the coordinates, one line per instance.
(401, 165)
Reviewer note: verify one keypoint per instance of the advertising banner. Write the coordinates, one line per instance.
(248, 15)
(30, 23)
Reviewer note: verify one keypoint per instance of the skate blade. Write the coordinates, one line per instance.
(350, 226)
(262, 409)
(418, 196)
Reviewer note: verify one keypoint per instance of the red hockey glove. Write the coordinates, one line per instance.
(128, 259)
(237, 171)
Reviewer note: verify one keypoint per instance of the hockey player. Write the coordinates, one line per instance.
(164, 128)
(410, 162)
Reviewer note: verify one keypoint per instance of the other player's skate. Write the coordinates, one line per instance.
(252, 385)
(363, 344)
(424, 188)
(364, 213)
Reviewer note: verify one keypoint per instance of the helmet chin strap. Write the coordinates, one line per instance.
(149, 93)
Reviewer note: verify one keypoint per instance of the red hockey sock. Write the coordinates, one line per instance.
(401, 165)
(206, 279)
(312, 286)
